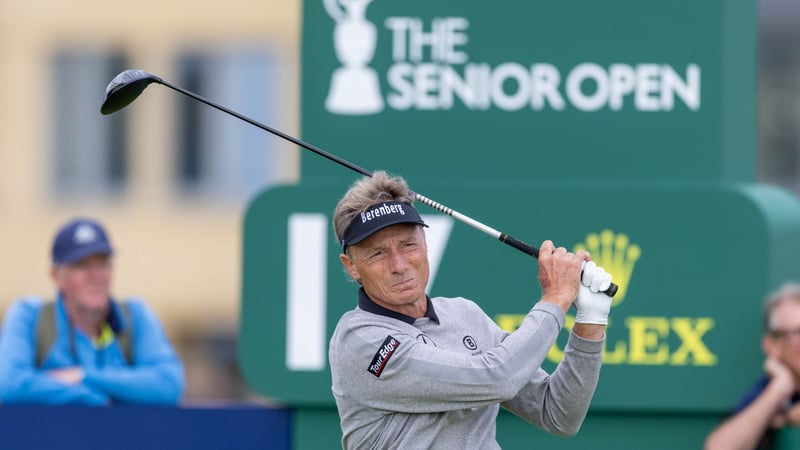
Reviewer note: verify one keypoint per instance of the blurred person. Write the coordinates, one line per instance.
(85, 347)
(772, 402)
(413, 371)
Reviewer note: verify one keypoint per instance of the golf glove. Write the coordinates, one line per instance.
(592, 304)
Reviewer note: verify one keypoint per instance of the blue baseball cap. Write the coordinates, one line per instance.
(78, 239)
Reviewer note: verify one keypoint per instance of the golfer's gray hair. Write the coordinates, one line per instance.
(366, 192)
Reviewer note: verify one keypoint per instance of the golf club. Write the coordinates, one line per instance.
(128, 85)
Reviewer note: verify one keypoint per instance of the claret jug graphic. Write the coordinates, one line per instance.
(354, 87)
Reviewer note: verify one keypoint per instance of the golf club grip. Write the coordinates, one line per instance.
(533, 251)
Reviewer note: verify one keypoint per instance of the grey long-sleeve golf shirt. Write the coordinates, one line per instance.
(438, 381)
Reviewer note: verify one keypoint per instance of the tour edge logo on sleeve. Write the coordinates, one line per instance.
(431, 69)
(382, 356)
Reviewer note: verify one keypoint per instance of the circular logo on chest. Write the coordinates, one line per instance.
(470, 343)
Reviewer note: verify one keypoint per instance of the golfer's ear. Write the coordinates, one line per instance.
(349, 266)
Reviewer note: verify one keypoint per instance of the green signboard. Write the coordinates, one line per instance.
(691, 261)
(636, 90)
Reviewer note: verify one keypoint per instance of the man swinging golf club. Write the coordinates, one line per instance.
(412, 371)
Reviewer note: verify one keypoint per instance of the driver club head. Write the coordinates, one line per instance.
(125, 88)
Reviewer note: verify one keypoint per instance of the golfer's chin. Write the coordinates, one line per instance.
(398, 298)
(408, 296)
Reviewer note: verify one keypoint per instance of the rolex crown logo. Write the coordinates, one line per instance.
(616, 254)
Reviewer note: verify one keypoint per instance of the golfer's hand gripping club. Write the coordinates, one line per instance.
(128, 85)
(593, 304)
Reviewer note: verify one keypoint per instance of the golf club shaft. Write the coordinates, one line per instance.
(533, 251)
(502, 237)
(279, 133)
(528, 249)
(519, 245)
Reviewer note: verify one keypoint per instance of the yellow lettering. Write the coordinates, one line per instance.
(647, 340)
(618, 356)
(509, 322)
(691, 342)
(555, 354)
(646, 334)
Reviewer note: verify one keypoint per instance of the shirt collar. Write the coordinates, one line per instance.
(365, 303)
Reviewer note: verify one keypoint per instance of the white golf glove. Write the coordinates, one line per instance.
(592, 304)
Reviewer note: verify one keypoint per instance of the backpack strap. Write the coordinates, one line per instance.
(125, 337)
(45, 332)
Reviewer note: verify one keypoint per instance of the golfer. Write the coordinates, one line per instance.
(410, 371)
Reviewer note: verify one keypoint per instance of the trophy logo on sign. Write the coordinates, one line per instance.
(616, 254)
(354, 86)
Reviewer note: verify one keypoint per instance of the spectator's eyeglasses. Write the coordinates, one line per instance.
(779, 334)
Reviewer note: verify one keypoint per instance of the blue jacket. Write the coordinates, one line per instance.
(756, 390)
(156, 376)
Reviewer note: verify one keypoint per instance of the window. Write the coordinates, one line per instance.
(90, 150)
(219, 155)
(779, 94)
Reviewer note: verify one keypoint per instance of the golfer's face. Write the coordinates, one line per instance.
(392, 266)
